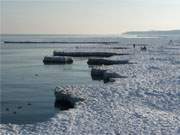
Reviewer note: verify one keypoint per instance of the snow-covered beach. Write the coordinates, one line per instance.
(146, 102)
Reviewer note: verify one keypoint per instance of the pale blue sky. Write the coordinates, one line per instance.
(88, 16)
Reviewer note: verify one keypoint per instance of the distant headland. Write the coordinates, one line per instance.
(153, 32)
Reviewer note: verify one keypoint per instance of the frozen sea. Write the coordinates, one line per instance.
(146, 102)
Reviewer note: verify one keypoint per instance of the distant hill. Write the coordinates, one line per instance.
(139, 33)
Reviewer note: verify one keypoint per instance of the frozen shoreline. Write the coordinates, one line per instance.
(147, 102)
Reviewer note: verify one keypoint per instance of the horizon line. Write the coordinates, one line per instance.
(90, 33)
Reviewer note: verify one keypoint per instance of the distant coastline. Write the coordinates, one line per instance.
(154, 32)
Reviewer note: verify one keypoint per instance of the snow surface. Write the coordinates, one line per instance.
(147, 102)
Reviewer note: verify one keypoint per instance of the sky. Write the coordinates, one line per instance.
(87, 16)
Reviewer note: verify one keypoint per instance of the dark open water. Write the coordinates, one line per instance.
(27, 85)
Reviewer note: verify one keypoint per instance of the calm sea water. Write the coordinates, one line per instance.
(27, 85)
